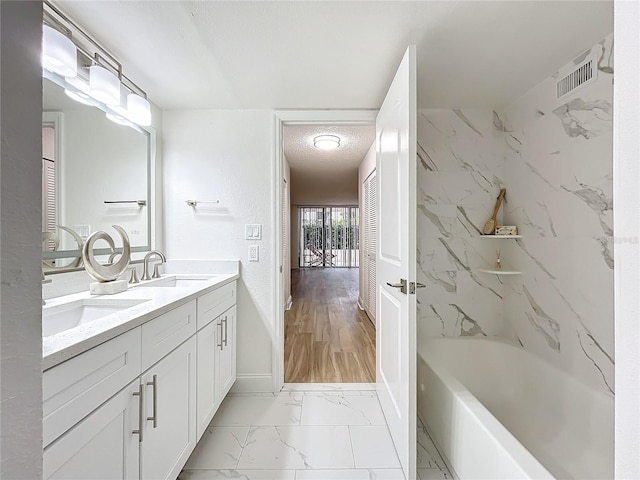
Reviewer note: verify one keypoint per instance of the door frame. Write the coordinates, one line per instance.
(280, 119)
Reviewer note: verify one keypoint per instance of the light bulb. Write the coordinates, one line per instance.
(104, 86)
(59, 53)
(139, 110)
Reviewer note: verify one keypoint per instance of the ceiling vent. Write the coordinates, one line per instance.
(582, 75)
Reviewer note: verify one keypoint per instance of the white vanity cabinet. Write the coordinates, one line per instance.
(102, 445)
(226, 354)
(135, 406)
(169, 427)
(216, 340)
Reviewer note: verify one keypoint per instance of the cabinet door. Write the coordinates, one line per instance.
(102, 446)
(226, 361)
(170, 413)
(206, 368)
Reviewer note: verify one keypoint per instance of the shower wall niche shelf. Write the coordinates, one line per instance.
(500, 236)
(493, 270)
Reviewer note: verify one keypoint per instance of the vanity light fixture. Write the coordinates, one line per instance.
(100, 77)
(59, 53)
(139, 109)
(326, 142)
(104, 86)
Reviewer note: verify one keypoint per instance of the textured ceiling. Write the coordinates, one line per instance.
(339, 54)
(355, 140)
(326, 176)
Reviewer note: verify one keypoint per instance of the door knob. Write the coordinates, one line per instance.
(402, 285)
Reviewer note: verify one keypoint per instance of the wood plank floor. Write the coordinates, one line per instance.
(328, 339)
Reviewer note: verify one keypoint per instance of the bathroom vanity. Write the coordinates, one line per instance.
(131, 381)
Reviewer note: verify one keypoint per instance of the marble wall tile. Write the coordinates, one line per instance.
(559, 176)
(462, 157)
(554, 157)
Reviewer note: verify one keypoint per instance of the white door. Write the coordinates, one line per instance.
(206, 399)
(102, 446)
(170, 414)
(226, 359)
(396, 260)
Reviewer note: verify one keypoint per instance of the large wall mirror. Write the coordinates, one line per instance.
(95, 173)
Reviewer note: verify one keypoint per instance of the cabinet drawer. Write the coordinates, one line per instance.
(163, 334)
(78, 386)
(214, 303)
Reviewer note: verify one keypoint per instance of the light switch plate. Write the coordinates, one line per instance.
(253, 232)
(254, 253)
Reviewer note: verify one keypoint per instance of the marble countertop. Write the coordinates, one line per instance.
(67, 344)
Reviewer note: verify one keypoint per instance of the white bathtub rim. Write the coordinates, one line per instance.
(525, 460)
(510, 343)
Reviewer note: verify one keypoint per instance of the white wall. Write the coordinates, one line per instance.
(226, 155)
(367, 166)
(626, 149)
(20, 241)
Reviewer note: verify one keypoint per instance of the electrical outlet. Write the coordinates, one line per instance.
(254, 253)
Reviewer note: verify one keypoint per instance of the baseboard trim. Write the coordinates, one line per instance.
(360, 304)
(289, 303)
(253, 384)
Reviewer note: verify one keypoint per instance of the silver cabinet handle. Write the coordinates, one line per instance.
(139, 393)
(224, 320)
(154, 418)
(219, 324)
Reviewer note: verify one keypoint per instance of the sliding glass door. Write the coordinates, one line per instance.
(329, 236)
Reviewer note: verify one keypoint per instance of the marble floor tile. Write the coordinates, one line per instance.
(237, 474)
(219, 448)
(341, 410)
(428, 456)
(352, 474)
(297, 447)
(373, 447)
(432, 474)
(259, 410)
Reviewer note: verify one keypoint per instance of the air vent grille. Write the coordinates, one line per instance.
(578, 77)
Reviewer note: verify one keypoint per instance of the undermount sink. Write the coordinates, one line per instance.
(63, 317)
(178, 281)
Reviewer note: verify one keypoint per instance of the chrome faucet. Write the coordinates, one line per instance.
(147, 257)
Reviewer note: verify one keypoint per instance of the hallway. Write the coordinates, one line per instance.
(327, 338)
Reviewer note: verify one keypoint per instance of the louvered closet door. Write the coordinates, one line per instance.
(370, 244)
(48, 199)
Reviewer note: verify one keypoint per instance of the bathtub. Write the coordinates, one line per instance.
(496, 411)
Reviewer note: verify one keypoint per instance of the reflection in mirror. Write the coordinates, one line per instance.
(95, 174)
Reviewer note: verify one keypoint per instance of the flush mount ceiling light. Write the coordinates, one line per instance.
(59, 53)
(326, 142)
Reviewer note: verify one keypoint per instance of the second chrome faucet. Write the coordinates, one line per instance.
(156, 273)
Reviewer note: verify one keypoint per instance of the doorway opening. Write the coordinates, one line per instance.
(327, 336)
